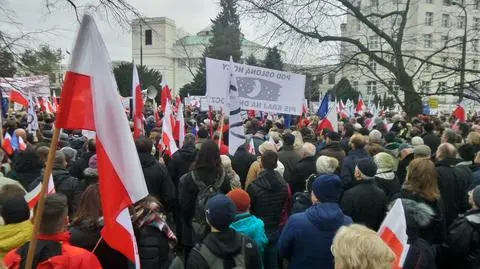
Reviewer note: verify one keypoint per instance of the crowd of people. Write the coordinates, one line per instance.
(290, 197)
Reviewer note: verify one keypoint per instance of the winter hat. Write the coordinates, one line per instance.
(220, 212)
(92, 163)
(288, 139)
(15, 210)
(334, 136)
(404, 146)
(327, 188)
(422, 151)
(417, 140)
(70, 153)
(375, 136)
(368, 167)
(59, 161)
(326, 165)
(357, 126)
(266, 146)
(476, 196)
(241, 199)
(384, 162)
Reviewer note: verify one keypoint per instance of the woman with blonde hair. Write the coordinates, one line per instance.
(357, 247)
(298, 144)
(421, 186)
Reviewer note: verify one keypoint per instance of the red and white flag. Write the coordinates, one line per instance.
(18, 97)
(251, 147)
(360, 105)
(22, 146)
(393, 231)
(90, 102)
(137, 104)
(167, 137)
(33, 196)
(166, 93)
(180, 123)
(459, 113)
(54, 102)
(7, 144)
(330, 121)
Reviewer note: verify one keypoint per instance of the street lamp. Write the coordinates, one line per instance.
(464, 52)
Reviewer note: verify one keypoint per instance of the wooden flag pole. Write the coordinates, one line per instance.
(41, 202)
(222, 119)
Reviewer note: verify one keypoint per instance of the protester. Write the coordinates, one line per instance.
(77, 168)
(357, 247)
(26, 168)
(223, 247)
(304, 168)
(305, 241)
(422, 151)
(86, 226)
(365, 202)
(182, 159)
(429, 138)
(246, 223)
(333, 148)
(17, 228)
(289, 157)
(70, 155)
(256, 167)
(90, 174)
(269, 196)
(53, 248)
(476, 172)
(386, 178)
(405, 156)
(357, 143)
(159, 183)
(202, 136)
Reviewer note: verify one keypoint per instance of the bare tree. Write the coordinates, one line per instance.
(385, 52)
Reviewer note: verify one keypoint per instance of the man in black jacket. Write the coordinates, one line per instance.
(182, 159)
(333, 149)
(268, 194)
(304, 168)
(159, 183)
(224, 247)
(453, 182)
(288, 157)
(429, 138)
(241, 162)
(81, 163)
(365, 202)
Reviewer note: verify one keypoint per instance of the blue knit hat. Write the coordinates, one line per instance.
(220, 212)
(327, 188)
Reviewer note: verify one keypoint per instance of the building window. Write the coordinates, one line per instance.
(475, 65)
(445, 20)
(476, 23)
(429, 1)
(459, 43)
(331, 78)
(374, 43)
(425, 87)
(475, 45)
(355, 85)
(429, 18)
(460, 22)
(427, 41)
(444, 40)
(373, 65)
(148, 37)
(371, 87)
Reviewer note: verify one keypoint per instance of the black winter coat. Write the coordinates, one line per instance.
(334, 150)
(349, 164)
(225, 245)
(431, 140)
(65, 184)
(153, 247)
(76, 170)
(453, 182)
(389, 186)
(241, 162)
(303, 169)
(365, 203)
(180, 163)
(187, 194)
(402, 167)
(268, 194)
(289, 158)
(158, 181)
(87, 237)
(24, 177)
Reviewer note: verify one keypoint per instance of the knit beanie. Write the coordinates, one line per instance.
(326, 165)
(327, 188)
(375, 136)
(368, 167)
(384, 162)
(417, 140)
(70, 153)
(241, 199)
(220, 212)
(15, 210)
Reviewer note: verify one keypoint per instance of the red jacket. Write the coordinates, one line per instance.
(71, 257)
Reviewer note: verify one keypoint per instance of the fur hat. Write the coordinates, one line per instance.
(417, 140)
(375, 136)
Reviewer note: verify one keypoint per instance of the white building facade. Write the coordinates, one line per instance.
(157, 43)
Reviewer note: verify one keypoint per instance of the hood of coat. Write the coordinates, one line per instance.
(326, 216)
(418, 215)
(14, 235)
(146, 159)
(270, 180)
(246, 223)
(224, 244)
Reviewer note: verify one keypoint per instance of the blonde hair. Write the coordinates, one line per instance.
(357, 247)
(473, 138)
(298, 140)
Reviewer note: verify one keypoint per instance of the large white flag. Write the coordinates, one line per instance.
(236, 136)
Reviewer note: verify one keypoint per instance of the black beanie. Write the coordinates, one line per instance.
(15, 210)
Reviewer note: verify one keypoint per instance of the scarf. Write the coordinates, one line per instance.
(152, 216)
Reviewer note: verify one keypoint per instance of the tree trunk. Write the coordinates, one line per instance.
(413, 101)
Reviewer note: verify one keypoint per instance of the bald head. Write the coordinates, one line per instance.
(308, 149)
(21, 133)
(446, 151)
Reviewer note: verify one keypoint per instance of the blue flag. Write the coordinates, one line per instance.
(288, 120)
(323, 108)
(14, 142)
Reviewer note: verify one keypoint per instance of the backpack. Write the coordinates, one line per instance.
(464, 241)
(215, 262)
(199, 222)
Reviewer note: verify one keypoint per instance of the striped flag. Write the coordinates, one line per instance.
(33, 196)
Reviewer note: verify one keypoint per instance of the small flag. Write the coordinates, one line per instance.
(18, 97)
(251, 147)
(22, 146)
(7, 144)
(330, 121)
(167, 137)
(360, 105)
(323, 108)
(33, 196)
(459, 113)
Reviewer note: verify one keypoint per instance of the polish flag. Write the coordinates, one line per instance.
(360, 105)
(33, 196)
(7, 144)
(330, 121)
(22, 146)
(459, 113)
(167, 137)
(50, 107)
(393, 231)
(180, 123)
(18, 97)
(166, 94)
(90, 102)
(137, 104)
(251, 147)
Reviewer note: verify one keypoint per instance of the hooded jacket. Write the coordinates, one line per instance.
(76, 170)
(334, 150)
(303, 169)
(14, 235)
(241, 162)
(253, 227)
(306, 239)
(225, 245)
(349, 164)
(289, 158)
(180, 163)
(268, 194)
(24, 171)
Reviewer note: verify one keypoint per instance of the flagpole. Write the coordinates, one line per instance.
(221, 128)
(41, 202)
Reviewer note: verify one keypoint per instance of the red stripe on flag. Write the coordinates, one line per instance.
(389, 237)
(18, 97)
(138, 113)
(77, 101)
